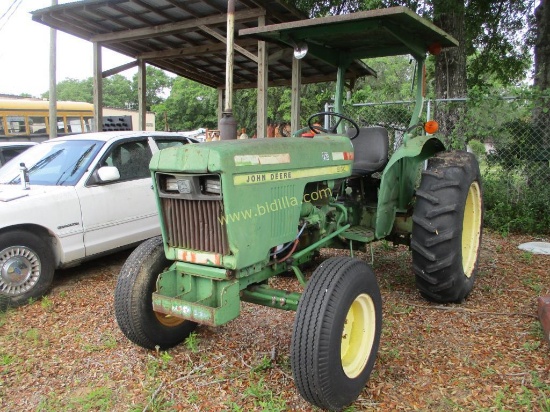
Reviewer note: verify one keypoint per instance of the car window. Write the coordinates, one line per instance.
(10, 152)
(131, 159)
(163, 143)
(55, 162)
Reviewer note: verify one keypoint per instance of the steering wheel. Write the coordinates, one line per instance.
(316, 128)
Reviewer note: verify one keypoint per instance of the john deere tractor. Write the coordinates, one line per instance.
(236, 213)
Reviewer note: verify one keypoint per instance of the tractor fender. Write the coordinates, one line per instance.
(399, 179)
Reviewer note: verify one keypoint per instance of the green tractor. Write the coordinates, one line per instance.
(235, 213)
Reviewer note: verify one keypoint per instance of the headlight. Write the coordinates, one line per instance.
(212, 185)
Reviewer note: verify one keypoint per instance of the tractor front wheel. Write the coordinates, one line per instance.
(336, 333)
(447, 226)
(134, 300)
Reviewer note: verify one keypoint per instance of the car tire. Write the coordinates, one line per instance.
(447, 227)
(26, 266)
(134, 300)
(336, 333)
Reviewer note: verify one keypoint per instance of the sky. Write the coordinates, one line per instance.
(25, 48)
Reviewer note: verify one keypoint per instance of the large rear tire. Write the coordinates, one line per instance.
(336, 333)
(447, 227)
(134, 300)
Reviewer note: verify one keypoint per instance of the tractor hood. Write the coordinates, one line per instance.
(254, 155)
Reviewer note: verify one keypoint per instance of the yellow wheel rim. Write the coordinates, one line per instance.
(168, 320)
(358, 335)
(471, 229)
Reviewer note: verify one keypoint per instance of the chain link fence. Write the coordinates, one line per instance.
(511, 139)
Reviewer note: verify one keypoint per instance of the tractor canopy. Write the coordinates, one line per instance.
(342, 39)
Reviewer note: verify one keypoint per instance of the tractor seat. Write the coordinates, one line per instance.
(370, 150)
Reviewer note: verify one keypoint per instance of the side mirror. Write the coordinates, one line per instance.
(107, 174)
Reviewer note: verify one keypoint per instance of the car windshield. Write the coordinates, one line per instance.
(52, 163)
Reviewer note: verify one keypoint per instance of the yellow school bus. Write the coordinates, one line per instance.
(29, 119)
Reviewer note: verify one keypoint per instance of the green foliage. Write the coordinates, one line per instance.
(192, 342)
(315, 8)
(118, 90)
(393, 81)
(158, 82)
(189, 106)
(47, 304)
(497, 33)
(264, 398)
(265, 364)
(478, 148)
(515, 204)
(74, 90)
(95, 399)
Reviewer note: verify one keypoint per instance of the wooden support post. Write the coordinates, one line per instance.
(261, 115)
(98, 89)
(220, 103)
(142, 94)
(296, 94)
(53, 80)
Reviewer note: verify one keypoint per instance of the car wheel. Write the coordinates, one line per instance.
(134, 300)
(26, 266)
(447, 226)
(336, 333)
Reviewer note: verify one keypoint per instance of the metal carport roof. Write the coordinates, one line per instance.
(186, 37)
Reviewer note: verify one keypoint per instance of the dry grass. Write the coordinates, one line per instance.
(65, 352)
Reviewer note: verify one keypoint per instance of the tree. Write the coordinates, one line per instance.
(74, 90)
(117, 92)
(541, 114)
(190, 105)
(158, 82)
(495, 39)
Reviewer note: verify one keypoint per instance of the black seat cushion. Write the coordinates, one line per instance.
(370, 150)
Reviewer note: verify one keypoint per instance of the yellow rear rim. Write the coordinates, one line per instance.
(358, 335)
(471, 229)
(168, 320)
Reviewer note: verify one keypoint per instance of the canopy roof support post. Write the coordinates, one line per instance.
(142, 94)
(228, 124)
(98, 89)
(339, 93)
(295, 104)
(261, 115)
(419, 80)
(219, 112)
(53, 79)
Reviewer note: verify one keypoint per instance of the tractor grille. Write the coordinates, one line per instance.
(194, 224)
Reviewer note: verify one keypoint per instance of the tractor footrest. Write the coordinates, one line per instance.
(359, 233)
(207, 301)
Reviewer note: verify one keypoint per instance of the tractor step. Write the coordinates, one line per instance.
(359, 233)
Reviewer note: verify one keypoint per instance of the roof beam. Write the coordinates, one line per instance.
(170, 28)
(192, 50)
(119, 69)
(222, 39)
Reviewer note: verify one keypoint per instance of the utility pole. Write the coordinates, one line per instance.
(53, 84)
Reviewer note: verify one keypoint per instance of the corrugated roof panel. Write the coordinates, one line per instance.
(168, 34)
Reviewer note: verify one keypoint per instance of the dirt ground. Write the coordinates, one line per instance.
(65, 352)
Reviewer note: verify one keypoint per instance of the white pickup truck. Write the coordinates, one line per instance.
(85, 196)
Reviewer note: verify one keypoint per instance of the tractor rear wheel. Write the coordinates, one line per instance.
(447, 226)
(336, 333)
(134, 300)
